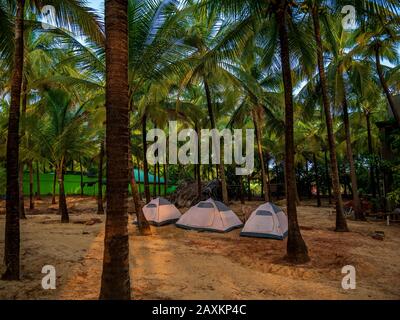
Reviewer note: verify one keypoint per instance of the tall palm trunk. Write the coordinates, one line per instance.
(198, 166)
(145, 164)
(297, 251)
(115, 280)
(155, 181)
(213, 126)
(62, 201)
(81, 174)
(53, 198)
(359, 214)
(38, 196)
(21, 205)
(328, 180)
(21, 165)
(139, 181)
(31, 199)
(341, 224)
(165, 179)
(12, 228)
(100, 209)
(317, 180)
(384, 84)
(256, 121)
(371, 153)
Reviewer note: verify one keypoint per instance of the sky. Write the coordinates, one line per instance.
(97, 4)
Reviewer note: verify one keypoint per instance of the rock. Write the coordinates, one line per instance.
(378, 235)
(93, 221)
(186, 193)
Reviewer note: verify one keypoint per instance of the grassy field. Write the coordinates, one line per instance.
(72, 184)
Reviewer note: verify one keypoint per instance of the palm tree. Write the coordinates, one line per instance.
(70, 13)
(341, 224)
(296, 248)
(115, 280)
(12, 237)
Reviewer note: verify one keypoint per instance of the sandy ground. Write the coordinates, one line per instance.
(178, 264)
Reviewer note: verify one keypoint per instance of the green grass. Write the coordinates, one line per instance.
(72, 185)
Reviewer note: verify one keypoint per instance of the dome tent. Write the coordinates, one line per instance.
(210, 215)
(267, 221)
(160, 212)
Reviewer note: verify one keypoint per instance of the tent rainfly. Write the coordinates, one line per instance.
(267, 221)
(210, 215)
(160, 212)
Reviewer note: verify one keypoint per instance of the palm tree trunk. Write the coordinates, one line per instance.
(198, 166)
(145, 164)
(115, 280)
(143, 224)
(165, 180)
(81, 173)
(256, 121)
(371, 154)
(328, 180)
(249, 194)
(341, 224)
(359, 214)
(12, 228)
(62, 201)
(21, 169)
(21, 191)
(385, 85)
(100, 209)
(297, 251)
(213, 126)
(53, 198)
(317, 180)
(139, 181)
(31, 199)
(38, 196)
(155, 181)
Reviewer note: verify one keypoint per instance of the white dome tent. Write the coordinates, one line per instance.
(160, 212)
(210, 215)
(267, 221)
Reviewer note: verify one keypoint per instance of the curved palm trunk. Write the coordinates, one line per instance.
(145, 164)
(385, 85)
(142, 223)
(115, 280)
(100, 209)
(359, 214)
(341, 224)
(265, 187)
(213, 126)
(38, 196)
(12, 228)
(297, 251)
(62, 201)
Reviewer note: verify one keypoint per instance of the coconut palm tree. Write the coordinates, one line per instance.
(115, 280)
(71, 13)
